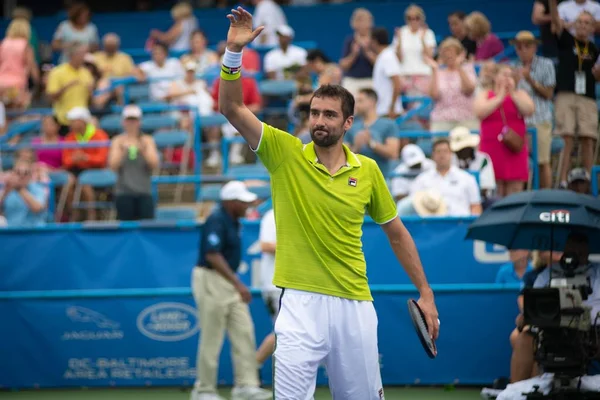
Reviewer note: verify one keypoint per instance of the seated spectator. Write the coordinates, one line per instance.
(537, 77)
(286, 60)
(51, 158)
(413, 162)
(570, 10)
(250, 58)
(424, 203)
(17, 63)
(70, 85)
(452, 89)
(191, 91)
(113, 63)
(414, 43)
(464, 145)
(387, 80)
(159, 67)
(458, 29)
(578, 181)
(458, 188)
(77, 160)
(502, 110)
(328, 73)
(515, 270)
(178, 37)
(358, 55)
(23, 203)
(200, 54)
(480, 30)
(133, 156)
(39, 171)
(77, 29)
(371, 135)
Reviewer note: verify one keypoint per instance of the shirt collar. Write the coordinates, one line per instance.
(228, 218)
(310, 154)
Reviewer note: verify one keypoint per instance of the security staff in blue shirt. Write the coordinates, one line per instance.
(222, 300)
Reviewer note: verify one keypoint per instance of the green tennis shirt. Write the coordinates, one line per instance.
(319, 216)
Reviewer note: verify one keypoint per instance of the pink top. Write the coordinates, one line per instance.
(453, 104)
(508, 166)
(13, 72)
(488, 48)
(51, 158)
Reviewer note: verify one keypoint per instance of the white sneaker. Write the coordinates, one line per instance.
(235, 154)
(250, 393)
(204, 396)
(214, 159)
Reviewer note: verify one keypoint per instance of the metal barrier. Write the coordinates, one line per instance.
(594, 176)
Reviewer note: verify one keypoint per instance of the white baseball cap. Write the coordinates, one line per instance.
(190, 65)
(132, 111)
(81, 113)
(461, 138)
(285, 30)
(412, 155)
(237, 190)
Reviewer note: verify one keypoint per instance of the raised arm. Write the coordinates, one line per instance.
(231, 103)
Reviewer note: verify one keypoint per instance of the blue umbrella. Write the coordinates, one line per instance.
(539, 220)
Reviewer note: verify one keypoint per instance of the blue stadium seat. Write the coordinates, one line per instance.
(171, 139)
(138, 93)
(210, 192)
(240, 172)
(150, 104)
(263, 192)
(426, 145)
(59, 178)
(112, 123)
(410, 125)
(212, 120)
(277, 88)
(22, 128)
(151, 123)
(176, 214)
(97, 178)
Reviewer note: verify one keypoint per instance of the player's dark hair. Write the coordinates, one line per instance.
(439, 142)
(337, 92)
(370, 93)
(316, 54)
(458, 14)
(381, 36)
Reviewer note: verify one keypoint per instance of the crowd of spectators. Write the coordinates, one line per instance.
(483, 98)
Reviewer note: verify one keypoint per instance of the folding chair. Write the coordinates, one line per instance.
(154, 122)
(60, 179)
(97, 179)
(210, 193)
(176, 214)
(138, 93)
(112, 124)
(277, 88)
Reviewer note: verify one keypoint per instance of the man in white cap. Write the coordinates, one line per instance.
(222, 300)
(284, 61)
(270, 15)
(413, 162)
(464, 144)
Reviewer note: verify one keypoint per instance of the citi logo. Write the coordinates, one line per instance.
(560, 216)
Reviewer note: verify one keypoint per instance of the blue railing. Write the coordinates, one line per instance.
(594, 176)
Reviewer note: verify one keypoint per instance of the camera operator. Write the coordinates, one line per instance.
(576, 247)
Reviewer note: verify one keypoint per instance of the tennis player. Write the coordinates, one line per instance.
(320, 192)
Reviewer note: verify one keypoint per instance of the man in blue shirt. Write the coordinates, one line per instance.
(222, 300)
(23, 202)
(514, 270)
(373, 136)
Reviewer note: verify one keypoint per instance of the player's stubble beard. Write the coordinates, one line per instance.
(331, 139)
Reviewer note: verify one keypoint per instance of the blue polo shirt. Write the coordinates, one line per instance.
(382, 129)
(506, 273)
(221, 234)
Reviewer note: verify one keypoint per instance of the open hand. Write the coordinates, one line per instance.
(240, 29)
(431, 62)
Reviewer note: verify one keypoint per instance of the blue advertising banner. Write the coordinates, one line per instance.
(140, 341)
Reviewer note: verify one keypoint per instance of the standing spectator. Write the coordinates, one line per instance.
(514, 271)
(133, 156)
(414, 44)
(579, 181)
(458, 29)
(270, 293)
(358, 56)
(412, 163)
(191, 91)
(77, 160)
(200, 54)
(270, 15)
(51, 158)
(284, 61)
(23, 202)
(537, 77)
(457, 188)
(222, 299)
(570, 10)
(576, 111)
(480, 30)
(34, 43)
(540, 16)
(70, 85)
(502, 111)
(486, 76)
(452, 88)
(76, 30)
(177, 38)
(464, 145)
(17, 63)
(111, 62)
(387, 81)
(159, 67)
(371, 135)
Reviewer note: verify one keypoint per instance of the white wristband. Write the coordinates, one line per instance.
(232, 59)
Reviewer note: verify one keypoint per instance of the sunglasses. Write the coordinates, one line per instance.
(413, 18)
(23, 172)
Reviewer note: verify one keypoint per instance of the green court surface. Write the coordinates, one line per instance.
(178, 394)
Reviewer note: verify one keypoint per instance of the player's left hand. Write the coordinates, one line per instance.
(427, 304)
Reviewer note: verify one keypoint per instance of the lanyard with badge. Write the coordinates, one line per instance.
(580, 84)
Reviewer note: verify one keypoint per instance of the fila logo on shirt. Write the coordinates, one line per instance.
(352, 181)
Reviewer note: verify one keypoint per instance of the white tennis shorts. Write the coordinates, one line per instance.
(314, 329)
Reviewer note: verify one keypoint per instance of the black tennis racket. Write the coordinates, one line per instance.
(418, 320)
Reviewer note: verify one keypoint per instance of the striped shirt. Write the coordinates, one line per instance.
(543, 72)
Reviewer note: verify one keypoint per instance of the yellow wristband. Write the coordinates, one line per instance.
(230, 74)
